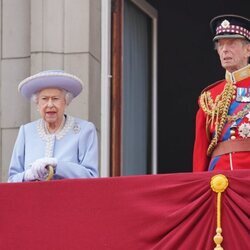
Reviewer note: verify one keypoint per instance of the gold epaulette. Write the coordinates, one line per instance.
(212, 85)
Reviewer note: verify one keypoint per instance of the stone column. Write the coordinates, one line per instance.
(15, 66)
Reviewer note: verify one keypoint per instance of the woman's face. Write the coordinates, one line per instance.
(51, 106)
(233, 53)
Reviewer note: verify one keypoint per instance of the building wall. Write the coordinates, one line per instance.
(37, 35)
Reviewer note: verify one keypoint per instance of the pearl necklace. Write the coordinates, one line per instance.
(50, 138)
(47, 130)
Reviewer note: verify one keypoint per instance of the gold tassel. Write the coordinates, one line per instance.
(218, 184)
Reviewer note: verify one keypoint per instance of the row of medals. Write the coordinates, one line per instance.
(243, 95)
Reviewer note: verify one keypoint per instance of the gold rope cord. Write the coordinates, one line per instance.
(216, 112)
(219, 184)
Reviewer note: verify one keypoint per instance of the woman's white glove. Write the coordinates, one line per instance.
(38, 170)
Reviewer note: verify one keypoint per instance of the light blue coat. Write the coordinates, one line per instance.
(75, 147)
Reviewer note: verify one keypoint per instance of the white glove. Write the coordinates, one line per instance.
(29, 175)
(38, 170)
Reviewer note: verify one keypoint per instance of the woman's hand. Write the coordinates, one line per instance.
(38, 170)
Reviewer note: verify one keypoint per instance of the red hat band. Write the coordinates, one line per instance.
(225, 27)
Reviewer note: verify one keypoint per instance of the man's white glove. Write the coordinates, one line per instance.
(38, 170)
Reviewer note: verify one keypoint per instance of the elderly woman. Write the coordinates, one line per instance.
(66, 144)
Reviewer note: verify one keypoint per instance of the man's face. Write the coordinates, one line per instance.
(233, 53)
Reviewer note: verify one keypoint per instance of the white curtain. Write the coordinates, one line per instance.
(136, 114)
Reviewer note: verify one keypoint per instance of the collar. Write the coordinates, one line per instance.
(238, 75)
(67, 125)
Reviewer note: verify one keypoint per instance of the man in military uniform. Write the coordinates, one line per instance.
(222, 138)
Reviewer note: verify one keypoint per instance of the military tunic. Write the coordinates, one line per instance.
(234, 152)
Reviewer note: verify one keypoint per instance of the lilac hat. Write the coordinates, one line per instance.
(50, 79)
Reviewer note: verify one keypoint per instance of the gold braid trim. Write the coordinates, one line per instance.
(216, 112)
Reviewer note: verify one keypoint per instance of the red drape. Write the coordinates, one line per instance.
(167, 211)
